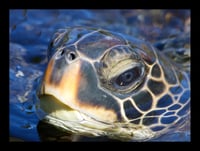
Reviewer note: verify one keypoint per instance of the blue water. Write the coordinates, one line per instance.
(30, 32)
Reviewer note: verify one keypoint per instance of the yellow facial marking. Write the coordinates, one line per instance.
(67, 92)
(69, 84)
(48, 72)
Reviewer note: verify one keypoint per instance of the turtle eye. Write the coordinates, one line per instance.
(128, 77)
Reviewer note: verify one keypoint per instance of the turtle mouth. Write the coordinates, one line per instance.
(60, 115)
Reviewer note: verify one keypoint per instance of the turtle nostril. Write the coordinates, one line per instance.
(62, 52)
(71, 56)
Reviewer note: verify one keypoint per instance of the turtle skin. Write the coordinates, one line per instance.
(107, 84)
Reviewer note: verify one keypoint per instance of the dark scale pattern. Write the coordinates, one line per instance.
(148, 54)
(174, 107)
(184, 81)
(176, 90)
(168, 120)
(156, 72)
(94, 45)
(150, 120)
(74, 34)
(166, 100)
(184, 110)
(136, 121)
(155, 112)
(90, 94)
(185, 96)
(143, 100)
(57, 71)
(167, 70)
(169, 113)
(130, 111)
(66, 37)
(170, 76)
(157, 128)
(156, 87)
(180, 122)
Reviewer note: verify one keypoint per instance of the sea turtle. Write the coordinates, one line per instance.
(102, 83)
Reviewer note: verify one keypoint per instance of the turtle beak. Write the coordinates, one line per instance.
(76, 86)
(60, 84)
(61, 80)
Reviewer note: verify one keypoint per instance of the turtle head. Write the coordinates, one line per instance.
(98, 84)
(70, 94)
(79, 91)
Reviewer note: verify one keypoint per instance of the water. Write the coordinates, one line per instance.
(30, 32)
